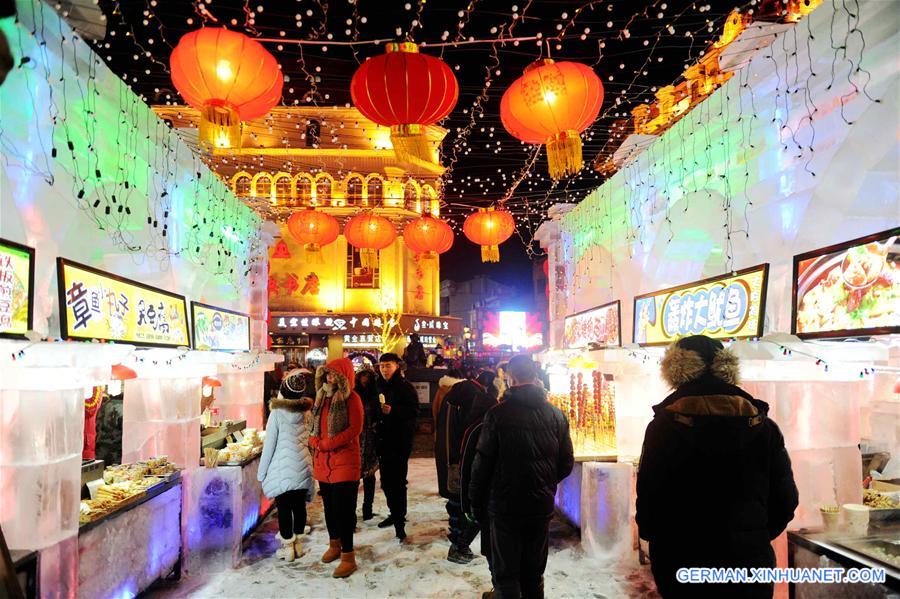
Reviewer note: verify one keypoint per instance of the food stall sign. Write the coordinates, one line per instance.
(98, 305)
(725, 307)
(16, 289)
(219, 329)
(363, 323)
(851, 289)
(601, 325)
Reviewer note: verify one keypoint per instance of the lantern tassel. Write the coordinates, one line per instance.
(313, 253)
(490, 253)
(410, 141)
(220, 127)
(564, 154)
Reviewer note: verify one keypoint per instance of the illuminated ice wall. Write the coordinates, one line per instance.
(91, 174)
(765, 168)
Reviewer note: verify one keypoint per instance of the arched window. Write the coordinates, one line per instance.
(411, 198)
(354, 191)
(283, 190)
(304, 190)
(313, 132)
(323, 191)
(263, 187)
(375, 187)
(242, 185)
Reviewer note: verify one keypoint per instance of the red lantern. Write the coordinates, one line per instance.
(229, 77)
(369, 233)
(405, 90)
(313, 229)
(552, 103)
(489, 228)
(428, 236)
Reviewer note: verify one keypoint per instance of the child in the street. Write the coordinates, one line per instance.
(285, 468)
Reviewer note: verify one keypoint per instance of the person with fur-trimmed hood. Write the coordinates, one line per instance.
(285, 467)
(715, 485)
(337, 424)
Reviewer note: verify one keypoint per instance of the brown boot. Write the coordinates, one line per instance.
(347, 565)
(334, 551)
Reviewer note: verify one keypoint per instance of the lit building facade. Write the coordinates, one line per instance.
(337, 302)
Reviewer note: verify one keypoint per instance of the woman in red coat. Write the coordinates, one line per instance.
(337, 423)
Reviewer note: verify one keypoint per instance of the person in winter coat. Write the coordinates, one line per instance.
(487, 379)
(714, 485)
(414, 353)
(337, 424)
(465, 405)
(524, 451)
(469, 450)
(396, 430)
(448, 380)
(365, 388)
(285, 467)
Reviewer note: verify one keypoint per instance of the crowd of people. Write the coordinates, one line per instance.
(501, 449)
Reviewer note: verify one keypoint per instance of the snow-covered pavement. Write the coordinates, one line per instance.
(416, 568)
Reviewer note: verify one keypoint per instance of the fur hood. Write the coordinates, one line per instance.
(680, 366)
(343, 368)
(304, 404)
(448, 381)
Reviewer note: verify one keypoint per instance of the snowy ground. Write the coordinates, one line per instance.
(416, 568)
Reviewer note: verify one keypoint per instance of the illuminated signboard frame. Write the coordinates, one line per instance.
(764, 268)
(30, 252)
(616, 303)
(244, 315)
(61, 263)
(832, 249)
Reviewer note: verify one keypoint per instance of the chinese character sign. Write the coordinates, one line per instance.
(600, 326)
(16, 288)
(218, 329)
(95, 305)
(724, 307)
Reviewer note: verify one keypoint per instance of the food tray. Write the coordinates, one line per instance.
(94, 516)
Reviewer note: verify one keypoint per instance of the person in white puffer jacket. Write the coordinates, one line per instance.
(285, 467)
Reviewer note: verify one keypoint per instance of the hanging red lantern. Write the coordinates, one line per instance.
(313, 229)
(552, 103)
(369, 232)
(229, 78)
(428, 236)
(406, 91)
(489, 228)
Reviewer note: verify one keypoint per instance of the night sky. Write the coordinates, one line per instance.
(635, 47)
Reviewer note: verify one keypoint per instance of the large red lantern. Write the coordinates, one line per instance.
(228, 77)
(428, 236)
(405, 90)
(313, 229)
(552, 103)
(369, 233)
(489, 228)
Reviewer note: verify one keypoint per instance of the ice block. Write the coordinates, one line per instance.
(568, 496)
(606, 513)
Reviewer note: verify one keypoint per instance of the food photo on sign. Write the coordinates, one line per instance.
(848, 289)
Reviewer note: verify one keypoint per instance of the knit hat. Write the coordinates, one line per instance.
(692, 357)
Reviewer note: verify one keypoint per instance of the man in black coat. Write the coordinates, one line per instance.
(524, 451)
(714, 486)
(396, 429)
(464, 405)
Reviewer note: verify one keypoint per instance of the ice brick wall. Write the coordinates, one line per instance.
(606, 512)
(568, 496)
(41, 437)
(791, 183)
(241, 397)
(212, 522)
(123, 555)
(162, 417)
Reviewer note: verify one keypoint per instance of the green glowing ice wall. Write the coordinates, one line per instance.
(90, 173)
(767, 167)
